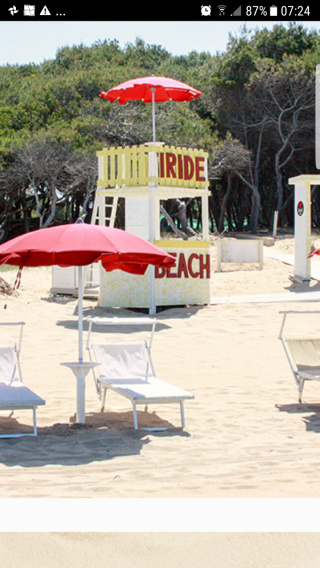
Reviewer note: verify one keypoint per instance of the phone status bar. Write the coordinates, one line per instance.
(33, 11)
(259, 11)
(217, 12)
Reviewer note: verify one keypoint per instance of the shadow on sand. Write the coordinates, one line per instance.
(103, 437)
(312, 421)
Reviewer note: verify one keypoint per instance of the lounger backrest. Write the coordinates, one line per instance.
(8, 365)
(122, 360)
(305, 352)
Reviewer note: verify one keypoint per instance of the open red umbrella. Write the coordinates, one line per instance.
(312, 253)
(150, 90)
(80, 244)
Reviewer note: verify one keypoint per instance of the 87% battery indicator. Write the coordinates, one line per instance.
(256, 11)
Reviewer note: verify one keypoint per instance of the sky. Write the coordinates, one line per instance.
(25, 42)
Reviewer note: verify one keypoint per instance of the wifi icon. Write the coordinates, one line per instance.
(222, 9)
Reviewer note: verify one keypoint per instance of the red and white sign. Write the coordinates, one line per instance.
(182, 166)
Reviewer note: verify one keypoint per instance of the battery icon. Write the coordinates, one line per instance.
(273, 10)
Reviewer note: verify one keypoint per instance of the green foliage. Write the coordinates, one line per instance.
(57, 104)
(281, 41)
(61, 97)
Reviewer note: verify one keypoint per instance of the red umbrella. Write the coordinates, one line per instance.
(151, 89)
(80, 244)
(311, 254)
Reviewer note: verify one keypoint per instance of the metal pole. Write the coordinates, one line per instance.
(153, 90)
(80, 314)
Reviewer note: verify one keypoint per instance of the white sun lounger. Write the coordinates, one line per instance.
(14, 395)
(303, 355)
(127, 369)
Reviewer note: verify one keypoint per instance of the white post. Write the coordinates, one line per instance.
(205, 217)
(80, 371)
(302, 226)
(81, 397)
(153, 173)
(80, 313)
(302, 230)
(153, 114)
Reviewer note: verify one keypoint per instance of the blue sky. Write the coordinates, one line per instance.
(24, 42)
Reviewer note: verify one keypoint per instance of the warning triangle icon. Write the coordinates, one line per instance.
(45, 11)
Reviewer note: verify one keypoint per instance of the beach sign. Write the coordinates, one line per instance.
(144, 176)
(187, 282)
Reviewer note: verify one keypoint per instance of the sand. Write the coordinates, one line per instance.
(158, 550)
(245, 434)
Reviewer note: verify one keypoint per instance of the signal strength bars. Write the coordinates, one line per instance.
(237, 12)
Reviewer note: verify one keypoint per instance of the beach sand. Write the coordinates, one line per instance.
(246, 550)
(245, 434)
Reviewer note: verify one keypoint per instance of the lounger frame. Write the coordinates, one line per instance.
(303, 354)
(136, 398)
(8, 390)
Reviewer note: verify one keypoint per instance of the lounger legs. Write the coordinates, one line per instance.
(182, 414)
(35, 430)
(103, 399)
(301, 385)
(135, 417)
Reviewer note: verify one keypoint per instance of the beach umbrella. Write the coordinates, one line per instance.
(311, 254)
(151, 90)
(80, 244)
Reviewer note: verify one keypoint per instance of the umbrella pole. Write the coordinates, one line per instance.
(80, 313)
(153, 114)
(80, 369)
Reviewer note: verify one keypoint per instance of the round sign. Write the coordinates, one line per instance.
(300, 208)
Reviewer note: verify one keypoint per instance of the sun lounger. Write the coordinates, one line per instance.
(303, 355)
(127, 369)
(14, 395)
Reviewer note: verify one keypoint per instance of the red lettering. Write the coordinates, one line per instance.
(193, 257)
(186, 268)
(188, 167)
(162, 165)
(180, 166)
(204, 266)
(171, 274)
(171, 161)
(200, 168)
(160, 272)
(182, 267)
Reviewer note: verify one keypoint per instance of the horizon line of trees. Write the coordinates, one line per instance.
(255, 117)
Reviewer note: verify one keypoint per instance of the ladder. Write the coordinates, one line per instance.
(104, 209)
(104, 213)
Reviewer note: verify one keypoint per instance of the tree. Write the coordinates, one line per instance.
(268, 105)
(41, 168)
(82, 172)
(285, 95)
(230, 159)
